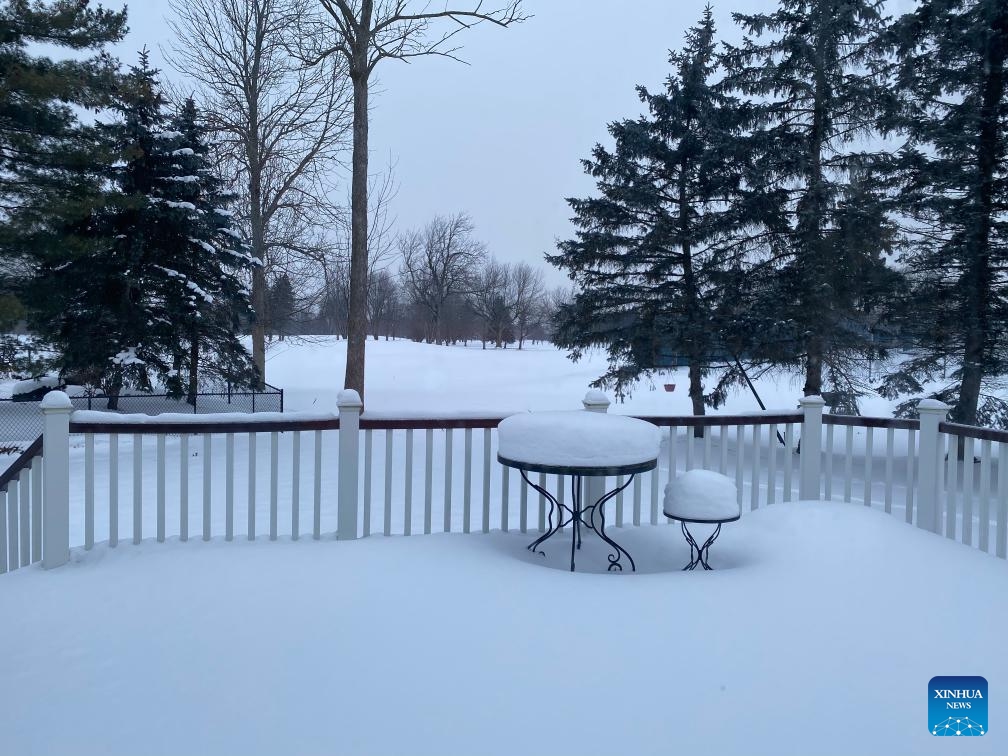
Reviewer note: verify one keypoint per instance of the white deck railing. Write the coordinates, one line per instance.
(352, 476)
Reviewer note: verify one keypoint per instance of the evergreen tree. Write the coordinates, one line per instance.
(160, 274)
(652, 249)
(952, 106)
(281, 305)
(811, 71)
(50, 164)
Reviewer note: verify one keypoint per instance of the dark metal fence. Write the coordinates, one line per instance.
(21, 422)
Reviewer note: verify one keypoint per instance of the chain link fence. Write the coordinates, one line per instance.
(21, 421)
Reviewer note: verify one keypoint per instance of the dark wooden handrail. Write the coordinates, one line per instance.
(971, 431)
(231, 426)
(34, 450)
(857, 421)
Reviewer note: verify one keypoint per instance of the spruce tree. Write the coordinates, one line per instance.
(160, 272)
(811, 71)
(50, 163)
(671, 217)
(951, 106)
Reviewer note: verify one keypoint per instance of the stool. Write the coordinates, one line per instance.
(701, 497)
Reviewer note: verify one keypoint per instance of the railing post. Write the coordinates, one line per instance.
(594, 487)
(929, 464)
(350, 405)
(56, 409)
(810, 459)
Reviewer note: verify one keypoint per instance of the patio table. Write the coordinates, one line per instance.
(579, 444)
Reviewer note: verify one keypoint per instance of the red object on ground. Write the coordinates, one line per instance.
(670, 387)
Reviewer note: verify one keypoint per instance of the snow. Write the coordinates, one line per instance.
(127, 357)
(179, 418)
(702, 495)
(816, 633)
(33, 384)
(185, 151)
(55, 400)
(577, 438)
(180, 205)
(184, 179)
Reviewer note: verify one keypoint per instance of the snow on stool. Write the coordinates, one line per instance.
(701, 496)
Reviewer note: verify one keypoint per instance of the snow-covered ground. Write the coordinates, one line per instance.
(816, 634)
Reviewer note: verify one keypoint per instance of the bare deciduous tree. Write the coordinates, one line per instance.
(439, 263)
(280, 122)
(362, 33)
(490, 301)
(528, 292)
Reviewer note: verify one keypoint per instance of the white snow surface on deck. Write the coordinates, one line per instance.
(815, 635)
(702, 495)
(577, 439)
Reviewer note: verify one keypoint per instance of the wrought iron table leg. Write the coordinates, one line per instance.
(702, 552)
(618, 551)
(555, 506)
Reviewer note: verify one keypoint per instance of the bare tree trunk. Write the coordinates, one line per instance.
(194, 351)
(357, 317)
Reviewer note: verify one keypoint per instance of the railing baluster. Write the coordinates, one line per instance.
(523, 507)
(637, 499)
(739, 459)
(869, 452)
(36, 507)
(754, 476)
(1002, 500)
(89, 490)
(387, 525)
(251, 487)
(184, 487)
(672, 452)
(448, 482)
(296, 486)
(487, 443)
(3, 533)
(967, 492)
(707, 446)
(985, 481)
(368, 453)
(159, 525)
(207, 493)
(689, 446)
(428, 478)
(560, 496)
(24, 503)
(888, 469)
(848, 464)
(408, 482)
(274, 476)
(13, 524)
(467, 493)
(317, 493)
(788, 460)
(542, 504)
(505, 505)
(229, 483)
(137, 487)
(951, 483)
(723, 443)
(618, 519)
(113, 490)
(772, 464)
(830, 434)
(655, 495)
(911, 456)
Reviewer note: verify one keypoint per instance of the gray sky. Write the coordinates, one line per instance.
(502, 137)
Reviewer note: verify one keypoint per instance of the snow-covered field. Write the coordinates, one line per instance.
(817, 633)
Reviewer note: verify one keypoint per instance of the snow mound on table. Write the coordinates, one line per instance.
(577, 438)
(702, 495)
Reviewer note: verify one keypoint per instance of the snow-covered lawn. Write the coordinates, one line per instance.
(816, 634)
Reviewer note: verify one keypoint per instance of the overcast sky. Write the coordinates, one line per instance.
(502, 138)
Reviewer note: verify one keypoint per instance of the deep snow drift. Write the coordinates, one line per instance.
(816, 634)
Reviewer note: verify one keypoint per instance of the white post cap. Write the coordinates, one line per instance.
(932, 405)
(812, 401)
(56, 400)
(595, 398)
(348, 399)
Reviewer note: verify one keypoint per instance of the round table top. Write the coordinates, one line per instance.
(578, 442)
